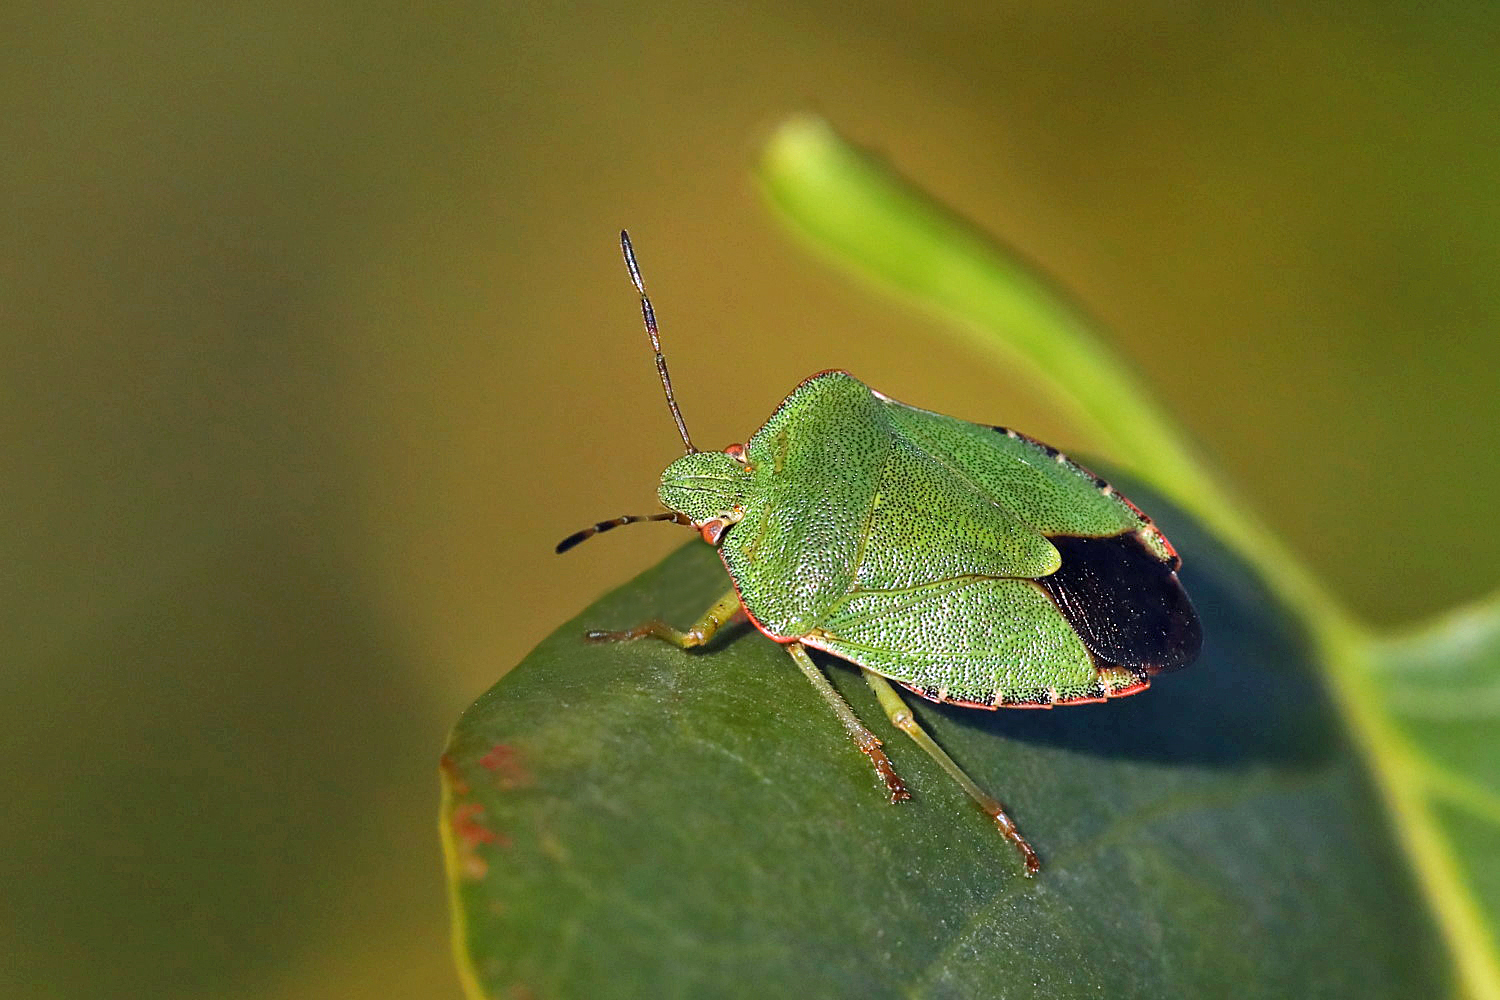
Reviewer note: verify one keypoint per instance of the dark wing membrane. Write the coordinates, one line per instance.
(1124, 602)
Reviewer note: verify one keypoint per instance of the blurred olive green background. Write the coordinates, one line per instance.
(318, 339)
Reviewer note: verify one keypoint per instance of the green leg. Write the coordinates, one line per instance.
(903, 719)
(702, 630)
(868, 744)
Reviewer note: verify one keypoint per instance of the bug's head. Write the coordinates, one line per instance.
(706, 486)
(704, 490)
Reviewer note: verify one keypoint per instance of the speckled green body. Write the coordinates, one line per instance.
(921, 547)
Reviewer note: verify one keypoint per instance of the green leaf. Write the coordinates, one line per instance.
(633, 820)
(1443, 684)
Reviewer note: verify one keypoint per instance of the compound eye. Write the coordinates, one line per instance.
(737, 452)
(713, 529)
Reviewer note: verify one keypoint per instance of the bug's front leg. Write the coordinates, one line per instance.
(723, 611)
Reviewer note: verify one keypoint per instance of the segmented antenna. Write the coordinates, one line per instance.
(576, 537)
(649, 316)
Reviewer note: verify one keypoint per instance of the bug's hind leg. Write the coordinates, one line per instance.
(901, 716)
(867, 742)
(723, 611)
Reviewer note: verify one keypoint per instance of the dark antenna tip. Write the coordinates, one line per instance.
(649, 316)
(610, 525)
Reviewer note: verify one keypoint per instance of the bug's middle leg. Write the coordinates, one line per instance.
(902, 718)
(723, 611)
(867, 741)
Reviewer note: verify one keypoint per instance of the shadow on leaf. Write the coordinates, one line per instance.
(1254, 694)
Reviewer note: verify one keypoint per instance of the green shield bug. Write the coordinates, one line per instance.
(971, 564)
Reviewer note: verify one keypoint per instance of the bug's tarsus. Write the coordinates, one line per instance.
(649, 316)
(578, 536)
(867, 742)
(902, 718)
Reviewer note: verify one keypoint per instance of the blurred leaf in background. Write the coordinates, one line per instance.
(317, 341)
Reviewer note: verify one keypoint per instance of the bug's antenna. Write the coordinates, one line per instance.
(649, 316)
(578, 536)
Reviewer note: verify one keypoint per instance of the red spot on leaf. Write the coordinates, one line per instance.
(504, 761)
(471, 834)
